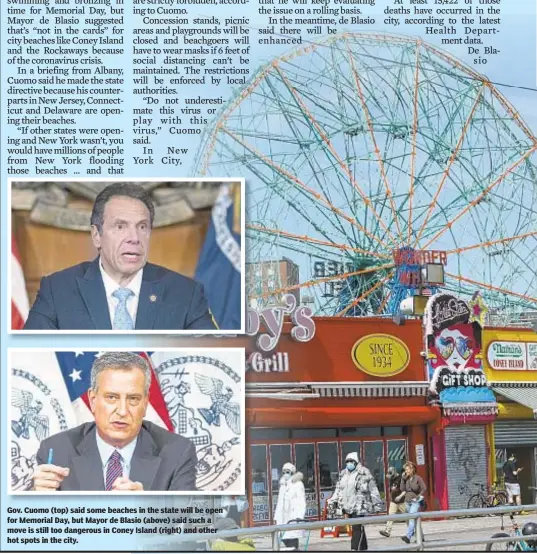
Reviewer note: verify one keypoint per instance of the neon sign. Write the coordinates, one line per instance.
(407, 256)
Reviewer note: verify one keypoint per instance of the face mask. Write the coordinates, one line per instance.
(351, 466)
(286, 476)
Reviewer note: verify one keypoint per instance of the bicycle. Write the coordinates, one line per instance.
(515, 531)
(493, 498)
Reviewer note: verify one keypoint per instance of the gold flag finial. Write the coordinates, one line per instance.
(236, 195)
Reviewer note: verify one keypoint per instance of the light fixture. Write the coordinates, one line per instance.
(414, 305)
(433, 274)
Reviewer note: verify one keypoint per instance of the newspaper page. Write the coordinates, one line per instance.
(339, 196)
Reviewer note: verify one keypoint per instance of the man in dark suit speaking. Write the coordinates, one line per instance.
(119, 290)
(119, 451)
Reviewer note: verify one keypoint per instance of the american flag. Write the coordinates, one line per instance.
(76, 370)
(19, 298)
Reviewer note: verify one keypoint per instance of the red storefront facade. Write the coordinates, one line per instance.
(357, 385)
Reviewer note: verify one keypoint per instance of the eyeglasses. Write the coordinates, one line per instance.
(350, 462)
(446, 346)
(287, 472)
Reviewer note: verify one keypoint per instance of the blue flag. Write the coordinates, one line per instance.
(219, 264)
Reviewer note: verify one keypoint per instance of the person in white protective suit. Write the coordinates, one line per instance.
(291, 503)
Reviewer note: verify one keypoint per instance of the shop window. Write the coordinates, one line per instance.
(346, 448)
(313, 433)
(305, 463)
(327, 456)
(279, 455)
(260, 490)
(360, 431)
(392, 431)
(347, 431)
(397, 454)
(501, 458)
(374, 461)
(266, 434)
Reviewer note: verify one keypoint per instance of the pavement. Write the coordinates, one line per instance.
(436, 534)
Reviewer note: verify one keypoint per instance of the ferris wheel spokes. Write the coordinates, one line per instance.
(295, 180)
(384, 303)
(385, 125)
(452, 158)
(490, 243)
(425, 149)
(373, 139)
(320, 280)
(333, 152)
(311, 240)
(367, 293)
(492, 287)
(476, 200)
(414, 137)
(365, 144)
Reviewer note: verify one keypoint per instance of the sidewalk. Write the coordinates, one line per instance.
(436, 533)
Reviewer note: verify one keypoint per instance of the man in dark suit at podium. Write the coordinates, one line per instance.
(119, 290)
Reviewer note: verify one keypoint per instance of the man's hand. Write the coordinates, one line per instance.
(400, 497)
(48, 477)
(125, 484)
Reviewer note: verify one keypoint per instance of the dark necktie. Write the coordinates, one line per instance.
(114, 469)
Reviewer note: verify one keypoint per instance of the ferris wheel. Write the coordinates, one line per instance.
(363, 145)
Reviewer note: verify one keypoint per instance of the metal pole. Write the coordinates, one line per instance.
(275, 541)
(419, 535)
(311, 525)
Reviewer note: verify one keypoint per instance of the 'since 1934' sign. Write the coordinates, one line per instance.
(380, 355)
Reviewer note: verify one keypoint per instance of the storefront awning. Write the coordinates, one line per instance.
(524, 394)
(340, 417)
(372, 390)
(305, 390)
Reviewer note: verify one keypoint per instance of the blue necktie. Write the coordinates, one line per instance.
(122, 318)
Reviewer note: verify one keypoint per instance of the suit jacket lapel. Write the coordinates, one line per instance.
(91, 288)
(88, 467)
(150, 301)
(144, 463)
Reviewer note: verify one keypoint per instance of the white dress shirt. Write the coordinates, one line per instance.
(111, 286)
(106, 450)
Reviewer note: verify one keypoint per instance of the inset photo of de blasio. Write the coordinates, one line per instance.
(127, 421)
(127, 257)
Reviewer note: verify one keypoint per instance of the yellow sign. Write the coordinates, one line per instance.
(510, 354)
(380, 355)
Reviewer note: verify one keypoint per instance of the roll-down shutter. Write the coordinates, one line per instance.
(466, 460)
(515, 433)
